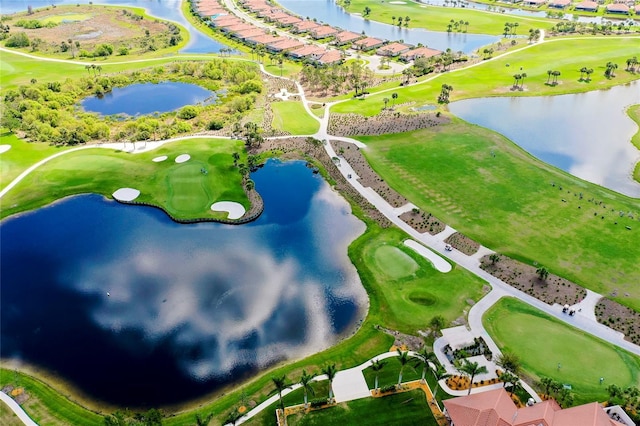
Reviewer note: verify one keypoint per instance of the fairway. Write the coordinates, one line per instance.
(543, 343)
(398, 409)
(187, 188)
(290, 116)
(66, 17)
(506, 202)
(394, 263)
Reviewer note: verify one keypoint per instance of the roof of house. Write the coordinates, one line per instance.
(369, 42)
(265, 39)
(239, 27)
(559, 2)
(345, 36)
(535, 1)
(330, 57)
(423, 52)
(288, 44)
(590, 5)
(324, 30)
(495, 408)
(308, 50)
(617, 7)
(306, 25)
(254, 32)
(226, 21)
(289, 20)
(394, 48)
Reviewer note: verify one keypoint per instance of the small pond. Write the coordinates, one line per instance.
(585, 134)
(147, 98)
(137, 310)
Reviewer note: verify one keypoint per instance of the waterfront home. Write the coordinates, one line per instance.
(419, 52)
(309, 51)
(287, 21)
(393, 49)
(559, 4)
(265, 39)
(284, 45)
(254, 32)
(587, 6)
(331, 57)
(226, 21)
(620, 8)
(346, 37)
(237, 28)
(534, 3)
(368, 43)
(495, 408)
(323, 31)
(304, 26)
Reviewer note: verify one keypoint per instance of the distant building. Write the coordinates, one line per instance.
(534, 3)
(587, 6)
(617, 8)
(284, 45)
(495, 408)
(559, 4)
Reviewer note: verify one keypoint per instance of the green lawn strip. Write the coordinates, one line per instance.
(507, 203)
(543, 343)
(437, 18)
(181, 189)
(495, 78)
(47, 406)
(21, 155)
(290, 116)
(409, 302)
(634, 113)
(398, 409)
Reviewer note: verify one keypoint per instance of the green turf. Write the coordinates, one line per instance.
(70, 17)
(507, 203)
(394, 263)
(410, 301)
(436, 18)
(397, 409)
(543, 342)
(181, 189)
(495, 78)
(291, 117)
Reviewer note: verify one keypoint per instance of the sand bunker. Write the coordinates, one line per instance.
(126, 194)
(439, 263)
(159, 159)
(235, 210)
(4, 148)
(182, 158)
(397, 2)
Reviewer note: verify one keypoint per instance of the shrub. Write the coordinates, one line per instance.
(18, 40)
(215, 124)
(188, 112)
(317, 403)
(250, 86)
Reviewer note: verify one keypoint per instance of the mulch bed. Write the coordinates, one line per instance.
(620, 318)
(463, 243)
(388, 121)
(523, 277)
(423, 221)
(368, 177)
(402, 340)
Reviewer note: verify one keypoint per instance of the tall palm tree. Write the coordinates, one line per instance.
(393, 20)
(471, 369)
(331, 371)
(280, 384)
(386, 102)
(394, 96)
(403, 359)
(423, 359)
(439, 373)
(522, 77)
(549, 74)
(509, 361)
(508, 377)
(305, 381)
(377, 366)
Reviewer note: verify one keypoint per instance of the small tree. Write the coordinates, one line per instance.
(280, 384)
(305, 381)
(436, 324)
(403, 359)
(494, 258)
(331, 371)
(471, 369)
(377, 366)
(509, 361)
(543, 273)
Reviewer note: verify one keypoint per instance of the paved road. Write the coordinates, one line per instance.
(13, 406)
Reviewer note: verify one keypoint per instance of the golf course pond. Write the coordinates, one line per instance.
(137, 310)
(147, 98)
(586, 134)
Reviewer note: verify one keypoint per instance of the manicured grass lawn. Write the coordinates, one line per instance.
(495, 78)
(182, 189)
(634, 113)
(543, 342)
(397, 409)
(69, 17)
(436, 18)
(507, 203)
(46, 406)
(290, 116)
(409, 301)
(21, 155)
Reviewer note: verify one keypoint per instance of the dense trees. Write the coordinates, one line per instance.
(47, 113)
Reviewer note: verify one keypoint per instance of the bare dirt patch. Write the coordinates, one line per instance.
(463, 243)
(524, 277)
(91, 25)
(388, 121)
(620, 318)
(368, 177)
(423, 221)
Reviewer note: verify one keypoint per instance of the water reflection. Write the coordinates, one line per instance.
(129, 305)
(586, 134)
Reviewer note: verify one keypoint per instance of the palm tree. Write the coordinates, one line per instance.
(583, 70)
(494, 258)
(439, 373)
(522, 77)
(589, 72)
(406, 21)
(509, 361)
(549, 74)
(507, 378)
(331, 371)
(471, 369)
(232, 417)
(556, 74)
(393, 20)
(394, 96)
(367, 11)
(516, 79)
(305, 381)
(436, 324)
(280, 384)
(424, 358)
(386, 101)
(377, 366)
(610, 71)
(543, 273)
(403, 359)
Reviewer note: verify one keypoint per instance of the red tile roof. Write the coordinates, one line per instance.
(330, 57)
(288, 44)
(587, 5)
(306, 25)
(323, 31)
(420, 52)
(368, 42)
(346, 36)
(618, 8)
(308, 50)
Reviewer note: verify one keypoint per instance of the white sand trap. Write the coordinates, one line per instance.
(439, 263)
(397, 2)
(126, 194)
(159, 159)
(182, 158)
(4, 148)
(236, 211)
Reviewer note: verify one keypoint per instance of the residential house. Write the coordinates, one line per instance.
(346, 37)
(331, 57)
(587, 6)
(284, 45)
(368, 43)
(419, 52)
(559, 4)
(323, 31)
(304, 26)
(308, 51)
(534, 3)
(617, 8)
(393, 49)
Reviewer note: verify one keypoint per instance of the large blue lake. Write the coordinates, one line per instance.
(146, 98)
(190, 307)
